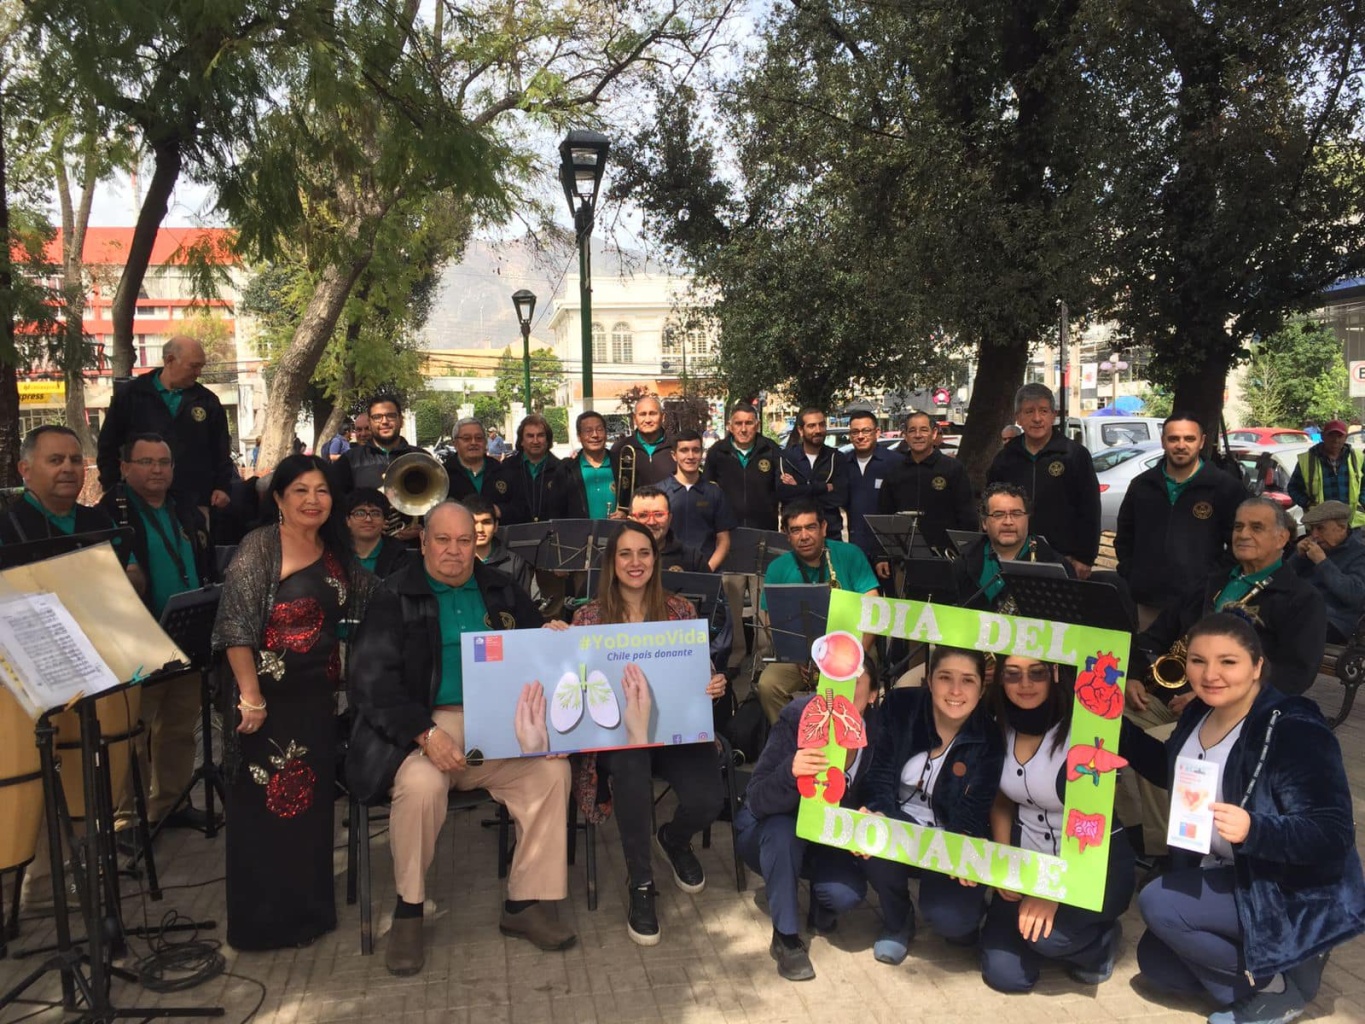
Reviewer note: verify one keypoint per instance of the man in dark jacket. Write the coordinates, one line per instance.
(171, 403)
(866, 468)
(170, 541)
(1057, 475)
(363, 465)
(408, 741)
(810, 469)
(745, 466)
(930, 483)
(1332, 559)
(536, 472)
(1005, 525)
(472, 472)
(765, 835)
(52, 467)
(1175, 523)
(653, 451)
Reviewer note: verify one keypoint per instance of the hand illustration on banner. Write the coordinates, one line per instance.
(638, 705)
(532, 736)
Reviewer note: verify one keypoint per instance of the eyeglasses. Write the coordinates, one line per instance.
(1012, 513)
(149, 463)
(649, 517)
(1013, 675)
(385, 416)
(367, 513)
(467, 439)
(862, 432)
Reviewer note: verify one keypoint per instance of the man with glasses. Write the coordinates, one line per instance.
(930, 483)
(810, 470)
(472, 473)
(1004, 513)
(866, 468)
(590, 476)
(649, 506)
(367, 510)
(813, 559)
(170, 542)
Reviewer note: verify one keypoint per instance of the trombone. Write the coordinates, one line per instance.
(415, 484)
(625, 477)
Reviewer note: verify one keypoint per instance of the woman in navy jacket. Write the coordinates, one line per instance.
(1032, 703)
(1251, 922)
(938, 765)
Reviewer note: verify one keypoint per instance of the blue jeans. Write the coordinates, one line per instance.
(1193, 942)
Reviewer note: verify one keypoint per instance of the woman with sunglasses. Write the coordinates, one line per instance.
(631, 591)
(1250, 923)
(937, 764)
(1032, 705)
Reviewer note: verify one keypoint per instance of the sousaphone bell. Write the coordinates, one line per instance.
(415, 484)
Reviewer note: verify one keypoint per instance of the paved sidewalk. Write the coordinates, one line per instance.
(711, 966)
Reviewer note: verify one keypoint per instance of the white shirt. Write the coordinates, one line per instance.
(916, 790)
(1033, 788)
(1220, 850)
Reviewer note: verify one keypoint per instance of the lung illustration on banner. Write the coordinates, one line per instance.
(536, 691)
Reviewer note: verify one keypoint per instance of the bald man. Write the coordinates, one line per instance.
(408, 742)
(171, 403)
(653, 451)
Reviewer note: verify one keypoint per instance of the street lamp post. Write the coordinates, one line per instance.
(582, 159)
(1115, 365)
(524, 302)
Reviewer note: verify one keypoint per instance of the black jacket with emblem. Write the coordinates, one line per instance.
(1288, 614)
(363, 466)
(191, 524)
(649, 469)
(499, 488)
(22, 522)
(540, 497)
(1062, 488)
(750, 489)
(197, 433)
(938, 489)
(576, 491)
(967, 571)
(396, 669)
(1163, 549)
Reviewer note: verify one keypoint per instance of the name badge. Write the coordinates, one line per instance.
(877, 484)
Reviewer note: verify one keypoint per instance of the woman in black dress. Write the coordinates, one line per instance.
(285, 595)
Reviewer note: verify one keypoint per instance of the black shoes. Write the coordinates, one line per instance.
(642, 921)
(793, 962)
(687, 871)
(821, 920)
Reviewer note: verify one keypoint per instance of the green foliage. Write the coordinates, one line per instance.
(1297, 375)
(434, 414)
(489, 410)
(547, 374)
(559, 422)
(1157, 401)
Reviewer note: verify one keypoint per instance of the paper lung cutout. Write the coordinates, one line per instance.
(1086, 829)
(825, 711)
(835, 785)
(1083, 759)
(838, 655)
(1097, 687)
(590, 688)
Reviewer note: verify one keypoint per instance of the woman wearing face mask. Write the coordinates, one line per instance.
(937, 764)
(1033, 708)
(1250, 923)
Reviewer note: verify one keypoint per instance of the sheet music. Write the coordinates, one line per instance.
(46, 660)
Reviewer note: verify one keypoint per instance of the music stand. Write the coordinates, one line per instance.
(188, 619)
(1062, 599)
(524, 539)
(797, 613)
(752, 551)
(964, 540)
(930, 579)
(899, 535)
(703, 590)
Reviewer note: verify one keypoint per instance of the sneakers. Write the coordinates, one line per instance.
(1263, 1008)
(642, 921)
(1099, 975)
(687, 871)
(893, 947)
(405, 955)
(821, 920)
(539, 925)
(793, 962)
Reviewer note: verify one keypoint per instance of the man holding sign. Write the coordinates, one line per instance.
(408, 743)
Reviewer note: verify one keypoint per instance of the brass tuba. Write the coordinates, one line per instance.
(415, 484)
(625, 477)
(1168, 671)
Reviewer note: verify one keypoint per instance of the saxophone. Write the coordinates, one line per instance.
(829, 568)
(1168, 671)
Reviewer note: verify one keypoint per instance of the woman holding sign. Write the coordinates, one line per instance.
(1250, 910)
(631, 591)
(1033, 707)
(937, 765)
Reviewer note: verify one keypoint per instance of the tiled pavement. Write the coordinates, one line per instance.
(711, 966)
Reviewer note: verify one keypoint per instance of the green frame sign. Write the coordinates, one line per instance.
(1100, 657)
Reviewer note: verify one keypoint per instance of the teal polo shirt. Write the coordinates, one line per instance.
(1239, 586)
(600, 486)
(171, 396)
(475, 478)
(533, 468)
(850, 566)
(1175, 489)
(742, 454)
(64, 523)
(650, 449)
(461, 610)
(164, 576)
(990, 582)
(371, 560)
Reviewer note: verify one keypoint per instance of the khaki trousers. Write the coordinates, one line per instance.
(733, 585)
(535, 791)
(166, 750)
(1136, 800)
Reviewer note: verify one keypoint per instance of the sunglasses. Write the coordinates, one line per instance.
(1013, 675)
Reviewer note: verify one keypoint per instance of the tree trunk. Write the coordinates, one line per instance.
(9, 380)
(999, 372)
(75, 220)
(1200, 391)
(168, 161)
(300, 359)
